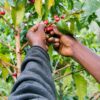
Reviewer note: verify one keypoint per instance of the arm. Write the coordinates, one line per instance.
(89, 60)
(35, 81)
(68, 46)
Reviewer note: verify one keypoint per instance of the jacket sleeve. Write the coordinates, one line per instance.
(35, 81)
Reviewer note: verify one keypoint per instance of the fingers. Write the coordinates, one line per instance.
(52, 33)
(56, 45)
(34, 28)
(56, 31)
(39, 26)
(53, 40)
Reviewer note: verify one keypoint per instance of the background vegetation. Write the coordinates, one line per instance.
(83, 20)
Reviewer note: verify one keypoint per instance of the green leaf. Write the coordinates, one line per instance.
(18, 12)
(67, 80)
(50, 3)
(38, 7)
(91, 6)
(5, 57)
(63, 27)
(5, 73)
(70, 4)
(81, 86)
(7, 5)
(72, 26)
(11, 2)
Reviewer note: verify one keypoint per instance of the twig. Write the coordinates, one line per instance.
(56, 71)
(95, 96)
(58, 78)
(4, 64)
(24, 45)
(11, 26)
(3, 97)
(7, 45)
(8, 64)
(77, 12)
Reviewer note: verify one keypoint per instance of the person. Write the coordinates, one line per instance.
(35, 81)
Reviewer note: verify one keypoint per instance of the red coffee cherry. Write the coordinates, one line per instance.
(2, 12)
(50, 28)
(62, 17)
(57, 19)
(14, 75)
(56, 16)
(46, 22)
(32, 1)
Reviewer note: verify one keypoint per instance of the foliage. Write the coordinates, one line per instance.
(82, 19)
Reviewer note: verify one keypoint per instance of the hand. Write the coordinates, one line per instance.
(62, 43)
(36, 36)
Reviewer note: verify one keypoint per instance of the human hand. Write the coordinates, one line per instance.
(62, 43)
(36, 36)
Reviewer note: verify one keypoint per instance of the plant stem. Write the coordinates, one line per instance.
(7, 45)
(61, 77)
(24, 45)
(18, 53)
(8, 64)
(10, 72)
(60, 88)
(56, 71)
(10, 25)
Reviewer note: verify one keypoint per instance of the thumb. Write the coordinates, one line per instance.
(41, 26)
(56, 31)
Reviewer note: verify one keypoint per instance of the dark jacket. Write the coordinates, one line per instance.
(35, 81)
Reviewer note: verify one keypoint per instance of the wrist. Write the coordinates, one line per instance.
(40, 44)
(76, 49)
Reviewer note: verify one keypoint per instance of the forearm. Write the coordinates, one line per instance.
(89, 60)
(35, 81)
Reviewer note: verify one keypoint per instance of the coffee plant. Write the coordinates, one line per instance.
(78, 18)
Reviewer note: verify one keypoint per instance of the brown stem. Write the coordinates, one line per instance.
(24, 45)
(3, 97)
(4, 64)
(95, 96)
(8, 64)
(61, 77)
(56, 71)
(7, 45)
(10, 25)
(18, 53)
